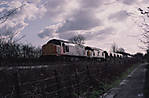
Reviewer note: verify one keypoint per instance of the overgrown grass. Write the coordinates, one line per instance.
(146, 87)
(115, 83)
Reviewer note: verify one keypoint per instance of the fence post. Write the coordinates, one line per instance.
(70, 88)
(90, 82)
(16, 84)
(88, 74)
(77, 82)
(43, 92)
(58, 84)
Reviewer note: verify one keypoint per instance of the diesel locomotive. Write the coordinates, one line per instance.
(58, 47)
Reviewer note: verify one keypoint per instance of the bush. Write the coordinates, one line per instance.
(10, 51)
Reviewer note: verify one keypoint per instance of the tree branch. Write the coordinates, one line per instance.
(9, 13)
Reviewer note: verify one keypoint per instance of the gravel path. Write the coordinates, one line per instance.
(132, 86)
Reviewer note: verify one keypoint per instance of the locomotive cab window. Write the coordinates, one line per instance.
(118, 56)
(114, 56)
(111, 55)
(93, 53)
(67, 48)
(64, 47)
(98, 53)
(102, 53)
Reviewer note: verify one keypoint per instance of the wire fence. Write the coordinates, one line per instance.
(67, 81)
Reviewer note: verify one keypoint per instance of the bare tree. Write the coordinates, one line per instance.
(121, 50)
(11, 35)
(114, 47)
(78, 39)
(9, 13)
(9, 48)
(145, 27)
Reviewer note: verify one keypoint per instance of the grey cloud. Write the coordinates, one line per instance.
(128, 2)
(45, 33)
(49, 31)
(66, 35)
(55, 3)
(100, 35)
(81, 20)
(145, 1)
(106, 31)
(8, 0)
(55, 8)
(119, 16)
(91, 3)
(3, 5)
(97, 35)
(7, 30)
(16, 23)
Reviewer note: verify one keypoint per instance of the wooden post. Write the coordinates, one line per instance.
(58, 84)
(16, 84)
(90, 82)
(70, 89)
(88, 74)
(43, 92)
(77, 82)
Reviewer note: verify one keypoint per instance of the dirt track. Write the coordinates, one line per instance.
(133, 88)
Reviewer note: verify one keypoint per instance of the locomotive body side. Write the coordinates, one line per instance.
(65, 48)
(94, 53)
(98, 53)
(58, 48)
(73, 49)
(115, 55)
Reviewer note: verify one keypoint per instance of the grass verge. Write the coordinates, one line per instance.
(115, 83)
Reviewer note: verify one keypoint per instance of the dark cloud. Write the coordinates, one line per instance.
(119, 16)
(106, 31)
(67, 35)
(100, 35)
(7, 30)
(128, 2)
(5, 0)
(91, 3)
(55, 3)
(49, 31)
(45, 33)
(3, 5)
(81, 20)
(15, 23)
(55, 8)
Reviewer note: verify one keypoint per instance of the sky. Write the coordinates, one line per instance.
(101, 22)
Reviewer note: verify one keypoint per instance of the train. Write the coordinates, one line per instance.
(57, 47)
